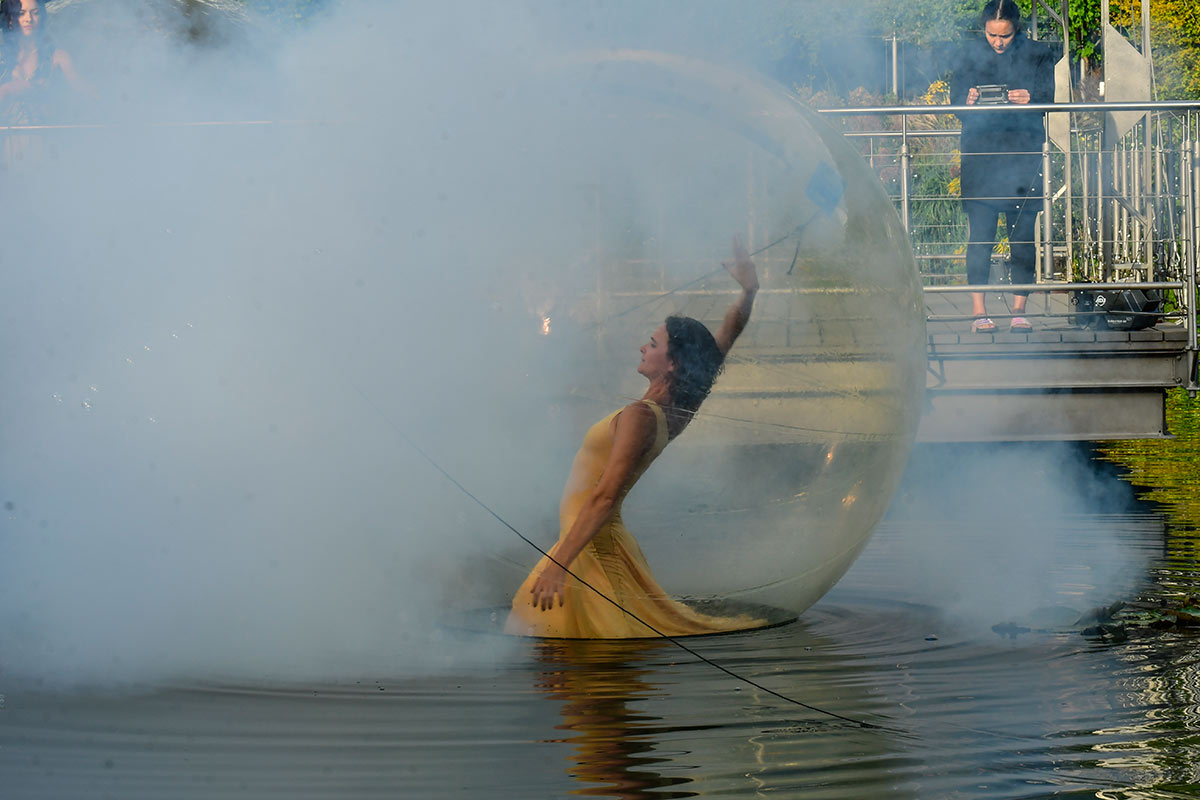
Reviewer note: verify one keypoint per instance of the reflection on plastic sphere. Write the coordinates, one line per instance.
(774, 489)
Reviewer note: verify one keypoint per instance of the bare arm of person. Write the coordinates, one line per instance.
(742, 270)
(635, 429)
(62, 60)
(13, 87)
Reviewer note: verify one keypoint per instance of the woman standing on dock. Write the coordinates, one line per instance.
(1001, 152)
(681, 361)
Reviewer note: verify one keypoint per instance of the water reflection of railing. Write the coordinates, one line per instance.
(1119, 208)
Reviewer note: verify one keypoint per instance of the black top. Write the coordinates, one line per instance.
(1002, 151)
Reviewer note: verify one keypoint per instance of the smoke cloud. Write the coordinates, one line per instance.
(1030, 534)
(223, 341)
(221, 338)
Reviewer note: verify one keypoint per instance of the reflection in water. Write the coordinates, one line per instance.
(1157, 747)
(1046, 713)
(1168, 470)
(597, 681)
(711, 735)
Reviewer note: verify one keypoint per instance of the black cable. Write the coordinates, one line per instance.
(673, 640)
(795, 258)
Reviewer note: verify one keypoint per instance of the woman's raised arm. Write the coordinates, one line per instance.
(743, 271)
(62, 60)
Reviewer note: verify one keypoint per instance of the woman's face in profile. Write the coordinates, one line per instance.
(655, 362)
(29, 19)
(999, 33)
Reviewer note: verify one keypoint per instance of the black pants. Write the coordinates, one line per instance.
(1020, 217)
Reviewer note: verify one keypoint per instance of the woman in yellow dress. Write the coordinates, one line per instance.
(681, 361)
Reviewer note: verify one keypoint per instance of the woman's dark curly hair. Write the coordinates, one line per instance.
(10, 11)
(693, 351)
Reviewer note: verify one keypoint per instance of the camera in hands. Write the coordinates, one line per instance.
(992, 94)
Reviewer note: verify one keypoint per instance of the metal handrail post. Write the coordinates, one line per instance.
(1190, 293)
(1189, 193)
(1047, 225)
(1129, 229)
(905, 165)
(1104, 221)
(1085, 179)
(1068, 208)
(1149, 209)
(1063, 19)
(1115, 210)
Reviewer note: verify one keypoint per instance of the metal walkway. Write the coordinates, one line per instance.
(1060, 382)
(1119, 209)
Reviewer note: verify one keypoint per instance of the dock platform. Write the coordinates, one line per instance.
(1059, 382)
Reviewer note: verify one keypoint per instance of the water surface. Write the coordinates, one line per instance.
(957, 638)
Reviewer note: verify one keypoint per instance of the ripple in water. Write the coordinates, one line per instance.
(965, 711)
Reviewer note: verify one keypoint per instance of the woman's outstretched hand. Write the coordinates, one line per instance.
(742, 267)
(549, 584)
(742, 270)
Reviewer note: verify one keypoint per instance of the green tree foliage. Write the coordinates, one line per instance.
(1168, 470)
(919, 22)
(922, 23)
(1083, 26)
(1174, 29)
(1174, 41)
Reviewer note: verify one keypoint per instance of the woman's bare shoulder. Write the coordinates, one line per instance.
(637, 417)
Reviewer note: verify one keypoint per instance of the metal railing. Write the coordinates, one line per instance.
(1120, 206)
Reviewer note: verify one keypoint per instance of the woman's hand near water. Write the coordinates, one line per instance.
(550, 583)
(634, 432)
(743, 271)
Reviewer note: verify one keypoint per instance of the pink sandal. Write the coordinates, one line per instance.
(982, 325)
(1020, 325)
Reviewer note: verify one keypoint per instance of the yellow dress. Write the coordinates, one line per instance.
(612, 564)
